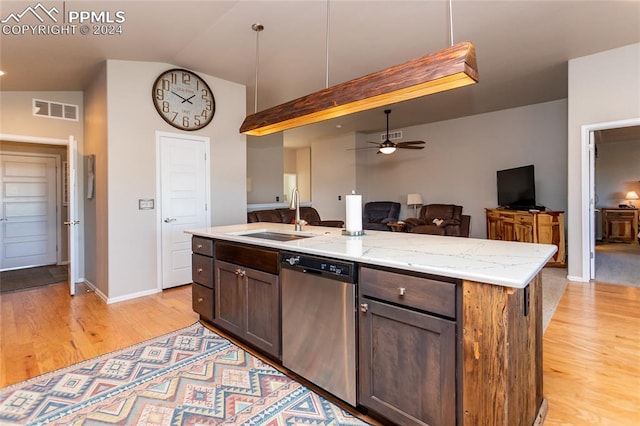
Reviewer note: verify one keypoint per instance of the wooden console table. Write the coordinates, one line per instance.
(529, 227)
(620, 225)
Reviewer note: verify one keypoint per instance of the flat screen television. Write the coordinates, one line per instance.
(516, 188)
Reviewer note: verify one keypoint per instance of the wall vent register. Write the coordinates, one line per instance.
(42, 108)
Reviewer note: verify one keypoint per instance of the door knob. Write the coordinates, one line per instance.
(364, 307)
(72, 222)
(169, 219)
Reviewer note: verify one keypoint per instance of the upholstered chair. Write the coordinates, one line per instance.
(309, 215)
(440, 219)
(286, 215)
(376, 214)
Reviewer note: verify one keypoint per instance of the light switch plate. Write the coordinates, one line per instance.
(145, 204)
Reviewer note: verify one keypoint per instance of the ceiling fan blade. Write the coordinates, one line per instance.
(410, 147)
(377, 143)
(364, 147)
(410, 143)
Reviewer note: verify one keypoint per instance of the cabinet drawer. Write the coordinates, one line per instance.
(524, 218)
(425, 294)
(252, 257)
(202, 246)
(202, 301)
(202, 270)
(619, 215)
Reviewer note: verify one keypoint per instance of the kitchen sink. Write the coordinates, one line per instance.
(277, 236)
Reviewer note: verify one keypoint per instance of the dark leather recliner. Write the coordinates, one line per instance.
(285, 215)
(440, 219)
(376, 214)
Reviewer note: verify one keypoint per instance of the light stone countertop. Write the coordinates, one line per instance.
(510, 264)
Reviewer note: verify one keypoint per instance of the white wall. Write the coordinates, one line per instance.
(333, 175)
(617, 172)
(303, 172)
(133, 121)
(459, 162)
(265, 167)
(604, 87)
(96, 217)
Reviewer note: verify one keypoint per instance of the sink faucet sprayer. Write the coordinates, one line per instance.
(295, 205)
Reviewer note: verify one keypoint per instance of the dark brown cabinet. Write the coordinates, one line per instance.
(407, 358)
(247, 299)
(202, 277)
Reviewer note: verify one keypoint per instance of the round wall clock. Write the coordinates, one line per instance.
(183, 99)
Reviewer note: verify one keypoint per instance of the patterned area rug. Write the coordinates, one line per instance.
(192, 376)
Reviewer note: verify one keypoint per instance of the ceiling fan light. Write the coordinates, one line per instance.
(445, 69)
(387, 149)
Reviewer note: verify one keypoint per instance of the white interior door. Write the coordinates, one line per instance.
(183, 202)
(72, 220)
(27, 211)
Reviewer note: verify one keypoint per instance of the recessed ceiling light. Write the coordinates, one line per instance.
(2, 72)
(338, 126)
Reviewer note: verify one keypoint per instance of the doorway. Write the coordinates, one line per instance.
(616, 176)
(62, 150)
(614, 152)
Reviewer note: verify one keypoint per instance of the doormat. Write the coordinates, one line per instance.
(27, 278)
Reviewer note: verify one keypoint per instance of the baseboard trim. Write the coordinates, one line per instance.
(132, 296)
(577, 279)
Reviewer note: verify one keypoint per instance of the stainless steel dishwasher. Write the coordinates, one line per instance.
(319, 322)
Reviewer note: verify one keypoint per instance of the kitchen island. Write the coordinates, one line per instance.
(449, 329)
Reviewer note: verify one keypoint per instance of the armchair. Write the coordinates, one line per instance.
(440, 219)
(376, 214)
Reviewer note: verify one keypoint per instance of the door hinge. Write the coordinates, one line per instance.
(591, 255)
(206, 207)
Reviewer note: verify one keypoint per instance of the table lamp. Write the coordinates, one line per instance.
(414, 200)
(631, 196)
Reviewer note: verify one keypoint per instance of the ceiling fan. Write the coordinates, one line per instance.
(388, 147)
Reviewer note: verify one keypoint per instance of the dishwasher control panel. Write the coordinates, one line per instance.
(329, 267)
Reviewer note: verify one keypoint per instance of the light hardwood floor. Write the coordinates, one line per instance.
(591, 347)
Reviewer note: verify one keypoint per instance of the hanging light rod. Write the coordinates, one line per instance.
(443, 70)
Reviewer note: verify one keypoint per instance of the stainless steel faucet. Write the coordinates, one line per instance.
(295, 205)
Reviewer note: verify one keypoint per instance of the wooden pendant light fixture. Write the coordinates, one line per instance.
(443, 70)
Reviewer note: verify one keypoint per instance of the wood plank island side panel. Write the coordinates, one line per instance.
(501, 354)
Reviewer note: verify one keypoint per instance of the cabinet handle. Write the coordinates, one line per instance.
(239, 272)
(402, 291)
(364, 307)
(200, 299)
(199, 246)
(199, 270)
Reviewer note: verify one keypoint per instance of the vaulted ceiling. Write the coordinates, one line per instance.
(522, 48)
